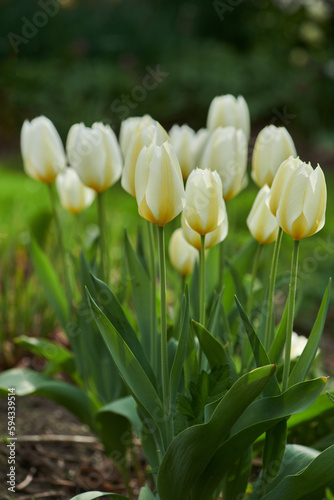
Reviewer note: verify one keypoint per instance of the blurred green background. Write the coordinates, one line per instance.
(105, 60)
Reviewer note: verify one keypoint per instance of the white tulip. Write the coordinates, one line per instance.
(147, 132)
(73, 194)
(95, 155)
(298, 343)
(128, 126)
(211, 239)
(273, 145)
(226, 110)
(158, 184)
(226, 152)
(280, 180)
(182, 255)
(188, 146)
(261, 222)
(42, 150)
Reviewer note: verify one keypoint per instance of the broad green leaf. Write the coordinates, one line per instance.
(91, 495)
(305, 360)
(111, 307)
(177, 367)
(274, 448)
(191, 362)
(45, 348)
(306, 484)
(236, 479)
(321, 408)
(260, 355)
(257, 419)
(125, 407)
(141, 285)
(146, 494)
(28, 382)
(50, 283)
(214, 351)
(192, 449)
(129, 368)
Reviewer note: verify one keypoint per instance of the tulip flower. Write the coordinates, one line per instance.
(188, 146)
(281, 178)
(205, 208)
(273, 145)
(42, 150)
(182, 255)
(226, 152)
(211, 239)
(128, 126)
(158, 184)
(74, 195)
(260, 221)
(302, 206)
(147, 132)
(226, 110)
(95, 155)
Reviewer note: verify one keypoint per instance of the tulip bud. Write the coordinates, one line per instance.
(158, 184)
(128, 126)
(147, 132)
(42, 150)
(280, 180)
(273, 145)
(260, 221)
(74, 195)
(302, 206)
(226, 152)
(226, 110)
(205, 208)
(188, 146)
(182, 255)
(298, 343)
(211, 239)
(95, 155)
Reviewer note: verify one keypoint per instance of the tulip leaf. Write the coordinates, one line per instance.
(141, 285)
(305, 360)
(129, 367)
(50, 283)
(260, 416)
(177, 366)
(260, 355)
(277, 346)
(45, 348)
(27, 382)
(192, 449)
(146, 494)
(308, 483)
(111, 307)
(92, 495)
(236, 478)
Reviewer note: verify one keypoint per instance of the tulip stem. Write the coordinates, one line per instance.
(221, 266)
(103, 242)
(254, 274)
(163, 299)
(202, 292)
(61, 245)
(153, 298)
(272, 280)
(291, 313)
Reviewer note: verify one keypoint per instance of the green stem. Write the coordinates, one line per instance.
(164, 359)
(61, 245)
(221, 266)
(254, 274)
(202, 292)
(153, 323)
(103, 241)
(291, 314)
(272, 280)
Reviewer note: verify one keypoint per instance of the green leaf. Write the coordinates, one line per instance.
(129, 367)
(277, 346)
(177, 367)
(305, 360)
(125, 407)
(192, 449)
(50, 283)
(91, 495)
(141, 284)
(236, 479)
(110, 306)
(28, 382)
(215, 352)
(146, 494)
(256, 419)
(45, 348)
(308, 483)
(260, 355)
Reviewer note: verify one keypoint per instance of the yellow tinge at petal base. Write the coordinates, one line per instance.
(261, 222)
(182, 255)
(302, 206)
